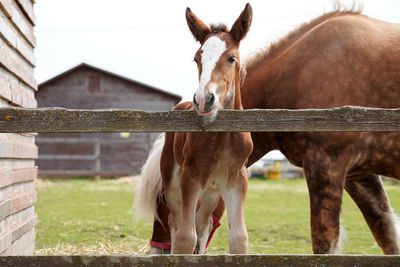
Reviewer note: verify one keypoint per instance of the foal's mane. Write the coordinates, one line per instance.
(281, 45)
(219, 28)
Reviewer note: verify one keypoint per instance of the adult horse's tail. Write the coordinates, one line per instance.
(150, 184)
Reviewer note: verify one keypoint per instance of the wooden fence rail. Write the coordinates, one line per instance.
(348, 118)
(196, 261)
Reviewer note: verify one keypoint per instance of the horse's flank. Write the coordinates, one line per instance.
(346, 49)
(341, 58)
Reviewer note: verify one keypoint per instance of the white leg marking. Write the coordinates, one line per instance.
(173, 198)
(202, 236)
(238, 239)
(155, 251)
(337, 244)
(396, 229)
(204, 223)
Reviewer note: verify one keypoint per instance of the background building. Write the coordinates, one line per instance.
(97, 154)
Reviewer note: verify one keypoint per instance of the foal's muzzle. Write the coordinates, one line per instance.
(206, 106)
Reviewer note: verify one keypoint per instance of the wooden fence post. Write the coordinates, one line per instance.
(97, 153)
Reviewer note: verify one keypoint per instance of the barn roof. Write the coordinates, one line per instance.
(85, 65)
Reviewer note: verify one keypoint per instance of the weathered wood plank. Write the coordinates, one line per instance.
(23, 228)
(15, 39)
(22, 202)
(25, 245)
(9, 237)
(120, 120)
(79, 141)
(5, 241)
(24, 175)
(15, 64)
(67, 157)
(15, 91)
(212, 260)
(15, 150)
(15, 226)
(5, 90)
(27, 8)
(21, 23)
(68, 173)
(17, 204)
(10, 176)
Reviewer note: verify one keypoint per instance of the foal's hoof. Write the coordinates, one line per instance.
(185, 243)
(182, 250)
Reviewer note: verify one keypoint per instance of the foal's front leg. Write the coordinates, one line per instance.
(204, 221)
(234, 196)
(185, 237)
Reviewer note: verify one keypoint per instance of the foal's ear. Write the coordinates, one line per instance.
(242, 24)
(198, 28)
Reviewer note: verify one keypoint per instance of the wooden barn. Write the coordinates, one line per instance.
(102, 154)
(17, 151)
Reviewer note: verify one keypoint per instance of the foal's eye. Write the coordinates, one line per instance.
(232, 59)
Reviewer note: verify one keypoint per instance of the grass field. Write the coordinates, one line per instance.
(84, 216)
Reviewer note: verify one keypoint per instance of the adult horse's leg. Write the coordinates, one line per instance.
(325, 181)
(234, 197)
(369, 195)
(161, 238)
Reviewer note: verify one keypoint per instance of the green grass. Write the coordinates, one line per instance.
(88, 213)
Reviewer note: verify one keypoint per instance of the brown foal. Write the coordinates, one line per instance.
(197, 169)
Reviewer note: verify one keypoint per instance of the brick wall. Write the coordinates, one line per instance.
(17, 151)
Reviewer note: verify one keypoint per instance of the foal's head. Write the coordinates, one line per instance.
(218, 63)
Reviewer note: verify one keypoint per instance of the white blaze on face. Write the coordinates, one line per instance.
(212, 50)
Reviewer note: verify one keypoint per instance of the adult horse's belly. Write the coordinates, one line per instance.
(326, 69)
(360, 152)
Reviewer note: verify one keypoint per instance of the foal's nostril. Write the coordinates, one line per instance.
(210, 98)
(194, 100)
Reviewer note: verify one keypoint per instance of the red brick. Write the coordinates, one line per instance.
(23, 202)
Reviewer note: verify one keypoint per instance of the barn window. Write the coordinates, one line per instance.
(94, 83)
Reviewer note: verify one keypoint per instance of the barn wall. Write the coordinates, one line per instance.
(17, 151)
(88, 155)
(104, 154)
(88, 88)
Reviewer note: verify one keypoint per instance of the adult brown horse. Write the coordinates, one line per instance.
(197, 169)
(340, 58)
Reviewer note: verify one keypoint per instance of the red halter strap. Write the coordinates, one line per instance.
(167, 246)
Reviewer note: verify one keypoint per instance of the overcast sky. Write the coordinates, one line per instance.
(149, 41)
